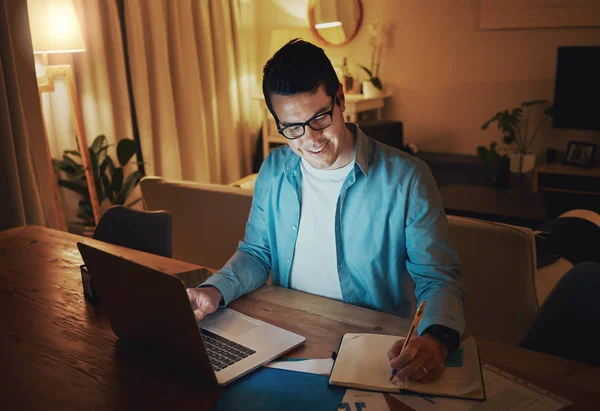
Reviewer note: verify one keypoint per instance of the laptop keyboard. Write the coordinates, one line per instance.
(223, 352)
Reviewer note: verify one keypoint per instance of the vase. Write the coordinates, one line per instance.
(522, 163)
(369, 89)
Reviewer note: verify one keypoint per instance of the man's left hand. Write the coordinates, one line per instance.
(422, 360)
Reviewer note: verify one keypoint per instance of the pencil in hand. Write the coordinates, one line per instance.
(411, 330)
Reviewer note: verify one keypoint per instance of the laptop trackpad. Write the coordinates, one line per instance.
(228, 321)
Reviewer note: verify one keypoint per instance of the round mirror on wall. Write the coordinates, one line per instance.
(335, 22)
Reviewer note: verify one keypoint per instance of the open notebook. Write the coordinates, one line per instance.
(362, 363)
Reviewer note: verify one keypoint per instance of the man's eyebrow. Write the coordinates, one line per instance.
(320, 111)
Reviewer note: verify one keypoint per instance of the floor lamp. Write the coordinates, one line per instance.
(55, 29)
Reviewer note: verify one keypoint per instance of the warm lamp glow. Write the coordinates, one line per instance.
(54, 27)
(328, 25)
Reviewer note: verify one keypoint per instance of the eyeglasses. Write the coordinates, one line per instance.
(319, 122)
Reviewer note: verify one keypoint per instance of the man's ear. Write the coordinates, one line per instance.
(341, 97)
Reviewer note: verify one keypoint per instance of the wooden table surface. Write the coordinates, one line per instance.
(58, 351)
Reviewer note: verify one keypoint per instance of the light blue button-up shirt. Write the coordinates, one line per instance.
(392, 237)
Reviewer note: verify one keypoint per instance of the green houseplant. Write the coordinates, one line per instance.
(376, 81)
(111, 183)
(496, 164)
(518, 129)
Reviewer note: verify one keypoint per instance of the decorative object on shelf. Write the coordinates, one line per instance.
(347, 78)
(371, 87)
(109, 179)
(516, 130)
(496, 164)
(380, 36)
(580, 154)
(335, 22)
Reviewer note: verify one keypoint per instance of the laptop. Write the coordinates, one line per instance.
(147, 306)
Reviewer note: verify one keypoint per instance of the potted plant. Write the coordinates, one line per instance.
(380, 35)
(371, 87)
(111, 183)
(496, 164)
(516, 130)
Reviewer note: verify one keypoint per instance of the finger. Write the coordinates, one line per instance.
(429, 367)
(193, 296)
(395, 349)
(433, 375)
(198, 315)
(407, 355)
(412, 367)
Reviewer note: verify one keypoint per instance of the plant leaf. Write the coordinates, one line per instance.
(70, 163)
(111, 165)
(102, 154)
(93, 162)
(128, 186)
(60, 165)
(508, 139)
(377, 83)
(117, 179)
(134, 202)
(71, 185)
(73, 152)
(367, 70)
(108, 189)
(98, 143)
(125, 150)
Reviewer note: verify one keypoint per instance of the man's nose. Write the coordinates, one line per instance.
(311, 135)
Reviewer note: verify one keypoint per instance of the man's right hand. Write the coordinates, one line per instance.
(204, 300)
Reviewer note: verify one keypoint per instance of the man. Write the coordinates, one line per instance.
(337, 214)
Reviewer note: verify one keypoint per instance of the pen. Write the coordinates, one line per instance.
(411, 330)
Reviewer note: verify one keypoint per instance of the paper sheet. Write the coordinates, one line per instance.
(503, 394)
(320, 366)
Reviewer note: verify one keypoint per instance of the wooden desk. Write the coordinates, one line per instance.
(58, 352)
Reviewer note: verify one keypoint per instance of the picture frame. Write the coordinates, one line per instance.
(580, 154)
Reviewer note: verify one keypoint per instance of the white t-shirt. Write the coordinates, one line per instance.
(314, 269)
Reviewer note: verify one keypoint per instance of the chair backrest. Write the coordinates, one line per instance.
(149, 231)
(209, 220)
(498, 275)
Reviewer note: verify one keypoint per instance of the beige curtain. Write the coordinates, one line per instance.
(192, 65)
(193, 71)
(25, 177)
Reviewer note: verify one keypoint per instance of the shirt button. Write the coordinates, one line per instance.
(340, 266)
(295, 227)
(288, 260)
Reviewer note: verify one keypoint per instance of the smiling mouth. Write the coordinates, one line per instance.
(318, 150)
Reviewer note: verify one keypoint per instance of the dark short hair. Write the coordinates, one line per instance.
(298, 67)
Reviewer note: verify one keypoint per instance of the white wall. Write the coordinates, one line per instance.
(448, 76)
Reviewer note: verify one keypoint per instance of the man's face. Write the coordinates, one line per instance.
(330, 148)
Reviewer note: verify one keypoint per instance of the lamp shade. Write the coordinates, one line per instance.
(54, 27)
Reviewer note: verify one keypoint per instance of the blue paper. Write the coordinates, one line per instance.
(455, 358)
(274, 389)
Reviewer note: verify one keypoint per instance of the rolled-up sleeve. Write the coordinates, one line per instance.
(432, 260)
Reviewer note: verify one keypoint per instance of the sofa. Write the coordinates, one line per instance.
(498, 260)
